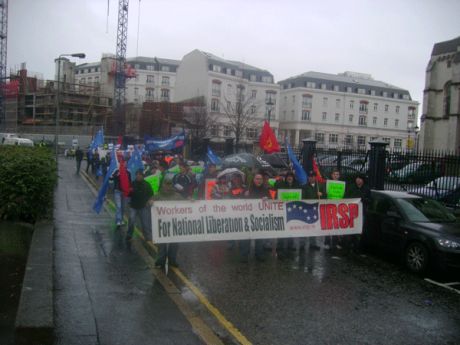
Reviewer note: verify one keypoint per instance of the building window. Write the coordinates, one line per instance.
(386, 108)
(349, 89)
(267, 79)
(307, 101)
(239, 73)
(136, 91)
(253, 109)
(149, 94)
(229, 71)
(397, 143)
(376, 106)
(411, 113)
(337, 117)
(82, 81)
(165, 68)
(150, 79)
(333, 138)
(396, 123)
(90, 80)
(293, 99)
(405, 97)
(362, 91)
(306, 115)
(387, 140)
(227, 131)
(165, 81)
(362, 120)
(395, 95)
(352, 104)
(363, 107)
(253, 94)
(397, 109)
(337, 103)
(384, 94)
(348, 139)
(165, 95)
(319, 137)
(96, 79)
(216, 68)
(150, 68)
(336, 88)
(372, 92)
(292, 115)
(324, 117)
(215, 104)
(253, 77)
(385, 122)
(350, 118)
(311, 84)
(325, 102)
(215, 130)
(251, 133)
(215, 91)
(374, 120)
(270, 97)
(361, 140)
(446, 99)
(323, 86)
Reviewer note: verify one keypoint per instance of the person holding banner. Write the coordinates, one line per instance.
(313, 190)
(286, 244)
(183, 182)
(257, 190)
(141, 200)
(220, 189)
(335, 189)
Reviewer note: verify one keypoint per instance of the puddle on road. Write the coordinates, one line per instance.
(14, 247)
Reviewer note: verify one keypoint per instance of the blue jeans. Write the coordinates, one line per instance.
(119, 200)
(144, 215)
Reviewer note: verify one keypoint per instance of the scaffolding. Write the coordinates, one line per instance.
(83, 107)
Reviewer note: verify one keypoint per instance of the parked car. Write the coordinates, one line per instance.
(445, 189)
(419, 229)
(18, 141)
(416, 173)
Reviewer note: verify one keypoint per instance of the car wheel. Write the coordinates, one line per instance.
(416, 257)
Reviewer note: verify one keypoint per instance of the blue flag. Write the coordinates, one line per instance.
(212, 158)
(302, 211)
(300, 174)
(105, 185)
(172, 143)
(98, 140)
(135, 163)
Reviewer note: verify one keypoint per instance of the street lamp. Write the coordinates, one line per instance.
(269, 103)
(56, 136)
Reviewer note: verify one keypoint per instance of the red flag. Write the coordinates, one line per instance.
(125, 185)
(120, 140)
(267, 140)
(319, 178)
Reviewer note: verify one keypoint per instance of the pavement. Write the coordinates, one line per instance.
(105, 292)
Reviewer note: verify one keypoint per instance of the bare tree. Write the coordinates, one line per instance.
(241, 114)
(196, 113)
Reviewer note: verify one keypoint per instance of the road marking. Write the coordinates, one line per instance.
(205, 333)
(445, 286)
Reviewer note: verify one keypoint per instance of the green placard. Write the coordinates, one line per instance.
(289, 194)
(154, 182)
(335, 189)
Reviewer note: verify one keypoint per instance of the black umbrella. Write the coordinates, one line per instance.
(246, 160)
(277, 160)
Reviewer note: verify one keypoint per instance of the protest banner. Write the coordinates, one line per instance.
(335, 189)
(289, 194)
(221, 220)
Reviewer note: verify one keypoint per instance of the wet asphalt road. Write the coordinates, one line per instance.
(313, 297)
(323, 297)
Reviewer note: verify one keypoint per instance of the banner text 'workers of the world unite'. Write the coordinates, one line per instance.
(219, 220)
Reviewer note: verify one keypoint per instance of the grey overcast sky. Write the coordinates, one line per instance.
(391, 40)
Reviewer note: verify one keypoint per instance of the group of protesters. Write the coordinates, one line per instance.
(252, 184)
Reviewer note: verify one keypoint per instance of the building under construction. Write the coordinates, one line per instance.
(31, 104)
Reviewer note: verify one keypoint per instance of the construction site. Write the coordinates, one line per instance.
(31, 105)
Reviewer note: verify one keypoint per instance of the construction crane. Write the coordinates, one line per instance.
(3, 47)
(120, 77)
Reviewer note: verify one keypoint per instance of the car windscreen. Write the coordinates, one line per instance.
(445, 182)
(425, 210)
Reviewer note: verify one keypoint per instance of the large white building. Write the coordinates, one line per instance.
(150, 79)
(224, 83)
(440, 121)
(345, 110)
